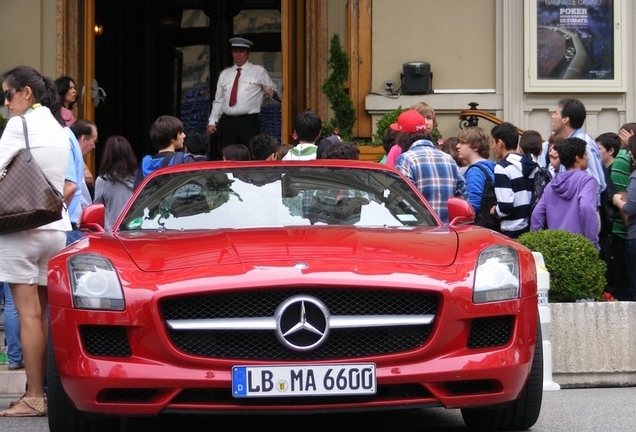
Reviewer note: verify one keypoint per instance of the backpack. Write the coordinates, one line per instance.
(177, 159)
(488, 200)
(607, 210)
(541, 179)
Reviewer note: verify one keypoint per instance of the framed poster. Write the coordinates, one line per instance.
(575, 46)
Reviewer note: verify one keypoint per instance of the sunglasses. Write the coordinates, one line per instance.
(8, 94)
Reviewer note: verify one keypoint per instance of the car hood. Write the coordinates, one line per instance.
(157, 251)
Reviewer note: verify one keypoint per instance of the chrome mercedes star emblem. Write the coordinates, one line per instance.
(302, 323)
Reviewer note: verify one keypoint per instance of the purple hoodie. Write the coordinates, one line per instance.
(569, 203)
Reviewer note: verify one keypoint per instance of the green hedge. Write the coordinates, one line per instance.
(576, 270)
(384, 122)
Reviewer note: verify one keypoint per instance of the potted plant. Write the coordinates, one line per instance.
(344, 114)
(592, 341)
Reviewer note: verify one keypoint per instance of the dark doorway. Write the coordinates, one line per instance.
(162, 57)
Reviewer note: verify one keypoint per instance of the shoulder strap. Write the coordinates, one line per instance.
(29, 156)
(167, 159)
(484, 170)
(26, 135)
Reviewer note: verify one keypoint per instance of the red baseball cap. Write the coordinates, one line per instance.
(410, 121)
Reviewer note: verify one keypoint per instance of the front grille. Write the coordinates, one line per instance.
(263, 345)
(223, 396)
(108, 341)
(490, 332)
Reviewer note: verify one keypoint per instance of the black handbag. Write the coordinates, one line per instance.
(27, 198)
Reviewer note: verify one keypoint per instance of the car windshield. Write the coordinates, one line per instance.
(279, 196)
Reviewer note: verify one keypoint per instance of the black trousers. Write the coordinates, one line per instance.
(621, 289)
(239, 129)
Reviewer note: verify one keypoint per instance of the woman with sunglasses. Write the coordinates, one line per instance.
(24, 255)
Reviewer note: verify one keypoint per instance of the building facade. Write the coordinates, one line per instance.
(478, 51)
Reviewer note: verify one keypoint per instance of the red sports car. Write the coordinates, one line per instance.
(269, 287)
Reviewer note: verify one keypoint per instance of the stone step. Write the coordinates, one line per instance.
(12, 383)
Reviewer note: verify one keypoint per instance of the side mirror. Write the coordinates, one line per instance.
(460, 211)
(92, 218)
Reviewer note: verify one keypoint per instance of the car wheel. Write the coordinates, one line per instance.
(519, 414)
(63, 416)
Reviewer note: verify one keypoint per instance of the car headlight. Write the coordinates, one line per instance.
(94, 283)
(497, 275)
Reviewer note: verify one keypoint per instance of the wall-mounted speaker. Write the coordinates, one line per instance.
(417, 78)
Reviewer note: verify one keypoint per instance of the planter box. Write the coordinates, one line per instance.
(371, 153)
(593, 344)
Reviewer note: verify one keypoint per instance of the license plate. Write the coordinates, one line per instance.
(303, 380)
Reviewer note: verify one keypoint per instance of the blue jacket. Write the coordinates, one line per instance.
(152, 163)
(475, 181)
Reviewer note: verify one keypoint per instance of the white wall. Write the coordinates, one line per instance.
(479, 45)
(457, 37)
(28, 35)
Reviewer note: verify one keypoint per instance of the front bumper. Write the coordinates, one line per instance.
(156, 376)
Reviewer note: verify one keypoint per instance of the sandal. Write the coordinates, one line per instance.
(37, 407)
(17, 401)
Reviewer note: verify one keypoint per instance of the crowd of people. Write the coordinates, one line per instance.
(592, 190)
(59, 143)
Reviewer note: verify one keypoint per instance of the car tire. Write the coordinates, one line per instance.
(520, 414)
(63, 416)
